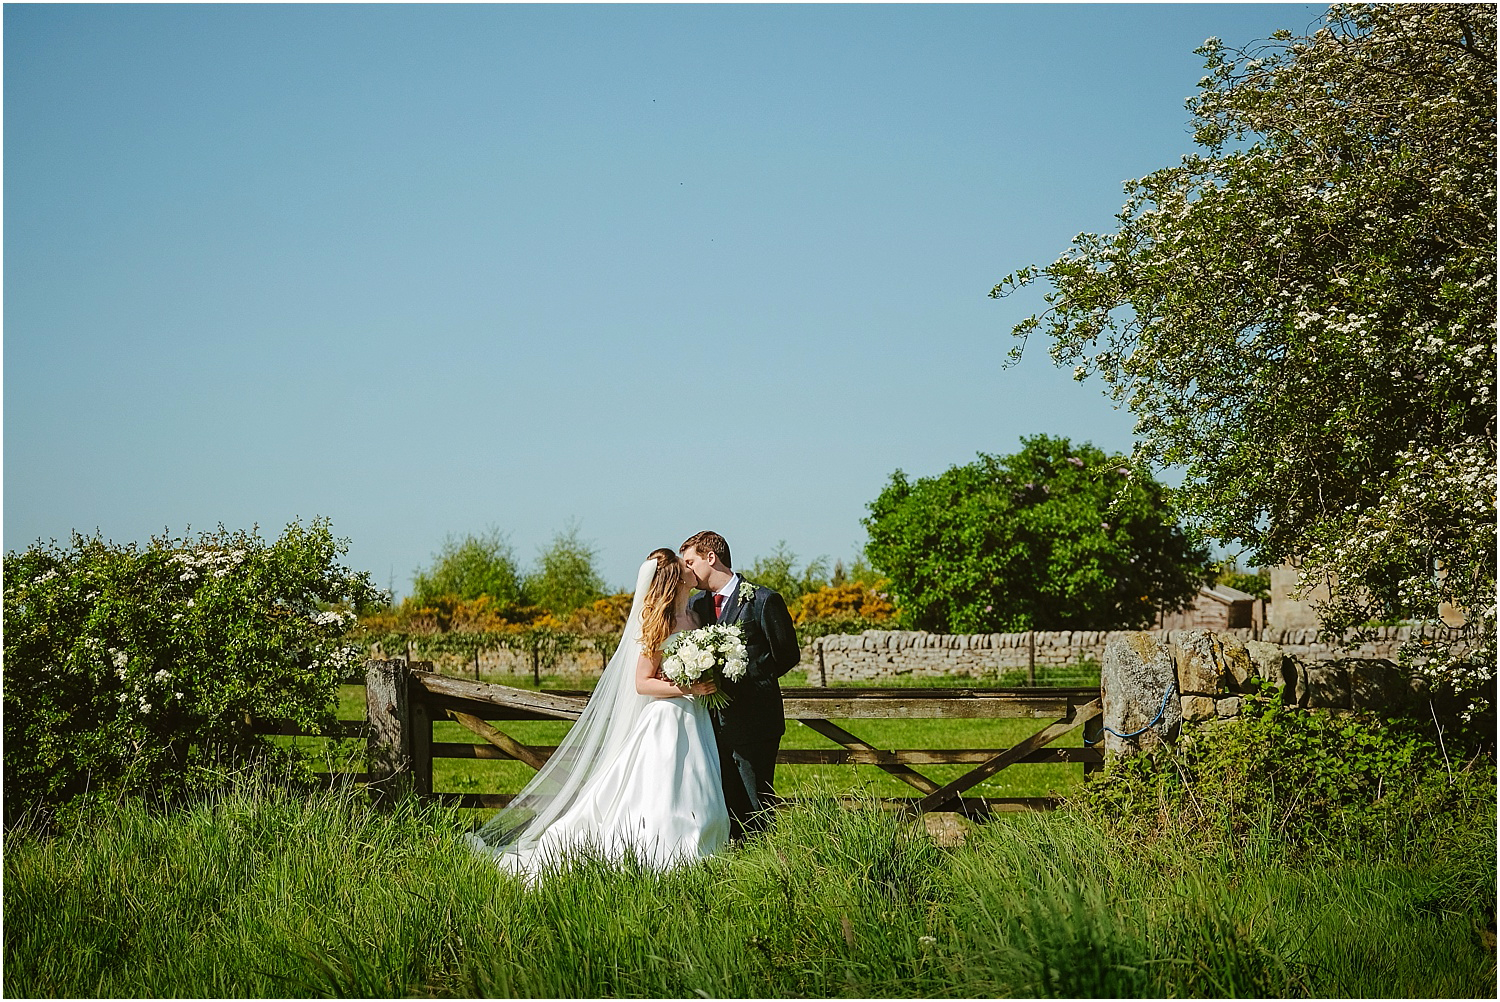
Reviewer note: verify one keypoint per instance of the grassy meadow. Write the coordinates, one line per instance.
(260, 890)
(265, 888)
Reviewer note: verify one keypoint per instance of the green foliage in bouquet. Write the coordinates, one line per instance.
(133, 667)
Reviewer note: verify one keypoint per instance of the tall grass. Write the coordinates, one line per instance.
(262, 890)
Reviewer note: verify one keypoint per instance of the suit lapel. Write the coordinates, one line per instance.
(703, 605)
(734, 605)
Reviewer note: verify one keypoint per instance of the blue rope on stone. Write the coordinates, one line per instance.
(1166, 696)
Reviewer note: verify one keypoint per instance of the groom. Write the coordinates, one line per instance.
(749, 728)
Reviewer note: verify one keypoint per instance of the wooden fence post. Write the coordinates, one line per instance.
(1031, 657)
(1093, 737)
(388, 710)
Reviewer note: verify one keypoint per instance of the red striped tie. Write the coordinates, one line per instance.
(718, 606)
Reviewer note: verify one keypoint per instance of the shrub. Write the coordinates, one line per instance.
(847, 601)
(778, 571)
(842, 609)
(604, 617)
(469, 567)
(444, 613)
(565, 577)
(1291, 777)
(1053, 537)
(131, 667)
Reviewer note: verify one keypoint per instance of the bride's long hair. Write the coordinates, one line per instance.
(656, 607)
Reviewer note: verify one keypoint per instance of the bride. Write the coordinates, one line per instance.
(638, 774)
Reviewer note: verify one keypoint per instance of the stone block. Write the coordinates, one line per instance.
(1227, 707)
(1378, 684)
(1197, 709)
(1266, 660)
(1199, 665)
(1322, 684)
(1137, 678)
(1238, 670)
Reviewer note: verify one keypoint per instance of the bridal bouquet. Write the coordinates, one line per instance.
(707, 654)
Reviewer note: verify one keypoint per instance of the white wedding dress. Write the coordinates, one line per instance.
(637, 777)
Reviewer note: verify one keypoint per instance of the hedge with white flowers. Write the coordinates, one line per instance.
(131, 667)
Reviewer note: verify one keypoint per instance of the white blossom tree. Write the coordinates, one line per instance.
(1301, 315)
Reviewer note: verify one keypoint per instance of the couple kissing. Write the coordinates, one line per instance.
(648, 772)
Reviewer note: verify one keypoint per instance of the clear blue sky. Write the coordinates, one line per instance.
(432, 269)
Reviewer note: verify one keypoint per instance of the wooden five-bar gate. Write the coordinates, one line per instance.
(404, 699)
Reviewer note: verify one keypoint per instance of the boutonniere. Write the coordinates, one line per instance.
(747, 591)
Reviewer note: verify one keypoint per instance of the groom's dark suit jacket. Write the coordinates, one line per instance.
(754, 712)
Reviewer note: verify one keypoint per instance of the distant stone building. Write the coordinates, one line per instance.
(1293, 611)
(1289, 610)
(1218, 608)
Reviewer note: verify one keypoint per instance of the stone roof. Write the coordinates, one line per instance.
(1226, 594)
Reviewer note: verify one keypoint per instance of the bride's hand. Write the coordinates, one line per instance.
(702, 689)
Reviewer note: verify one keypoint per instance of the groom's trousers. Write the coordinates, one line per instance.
(748, 769)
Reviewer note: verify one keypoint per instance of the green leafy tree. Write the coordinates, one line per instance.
(858, 572)
(130, 668)
(468, 567)
(565, 577)
(778, 571)
(1054, 537)
(1302, 314)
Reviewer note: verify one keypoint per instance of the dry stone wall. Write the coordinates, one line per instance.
(1152, 685)
(502, 661)
(881, 654)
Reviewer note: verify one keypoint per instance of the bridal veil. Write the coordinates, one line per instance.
(589, 747)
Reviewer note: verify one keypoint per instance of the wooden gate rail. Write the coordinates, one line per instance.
(404, 701)
(805, 756)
